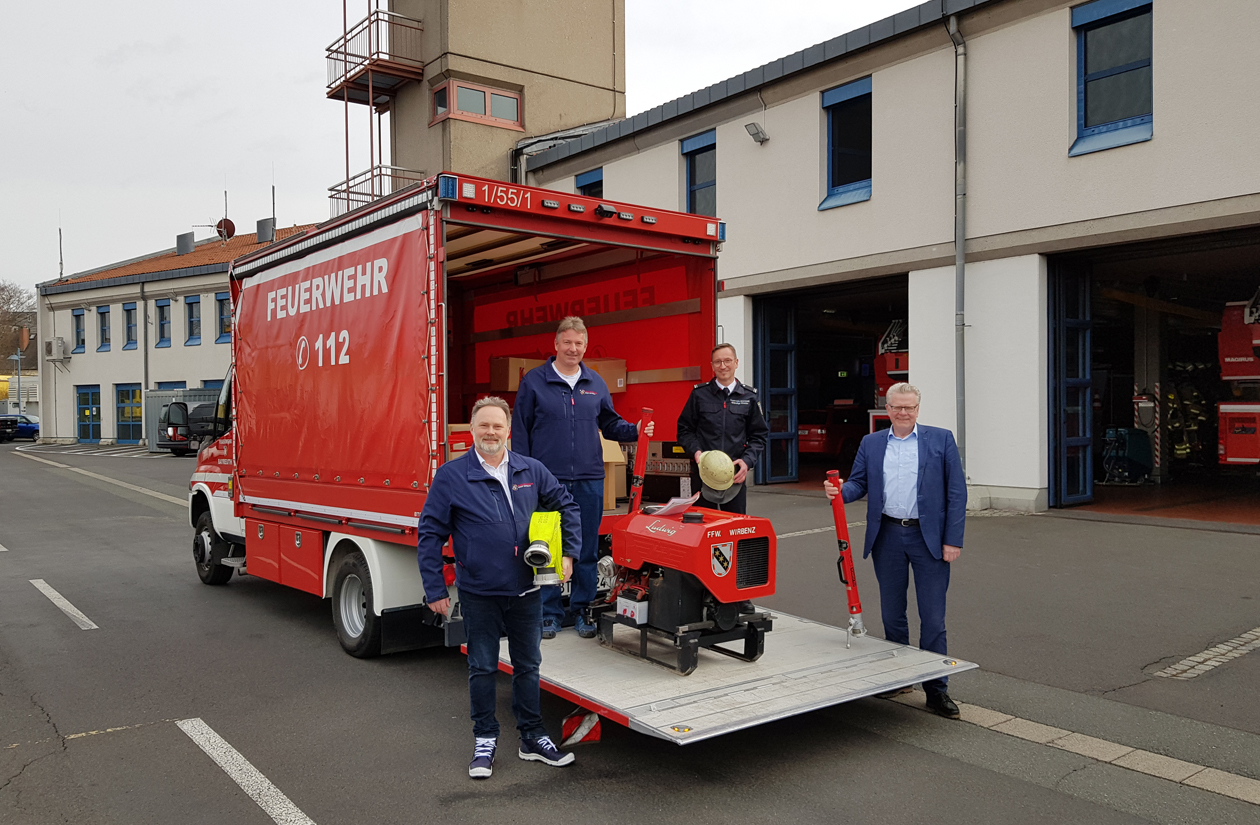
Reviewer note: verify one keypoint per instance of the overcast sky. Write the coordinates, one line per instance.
(125, 121)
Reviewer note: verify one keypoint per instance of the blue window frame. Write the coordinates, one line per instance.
(215, 384)
(700, 152)
(129, 321)
(591, 183)
(1114, 92)
(128, 414)
(88, 413)
(223, 309)
(848, 112)
(80, 331)
(102, 326)
(192, 314)
(172, 385)
(163, 322)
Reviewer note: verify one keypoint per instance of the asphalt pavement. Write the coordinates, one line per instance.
(1070, 621)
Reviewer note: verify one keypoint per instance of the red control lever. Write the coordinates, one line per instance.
(848, 575)
(640, 462)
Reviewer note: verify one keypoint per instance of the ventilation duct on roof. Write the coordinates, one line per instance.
(184, 243)
(266, 230)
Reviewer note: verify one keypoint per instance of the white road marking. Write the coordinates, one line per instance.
(1220, 782)
(852, 524)
(1201, 663)
(3, 549)
(70, 610)
(163, 496)
(274, 803)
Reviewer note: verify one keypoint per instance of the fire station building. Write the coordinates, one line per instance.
(1098, 158)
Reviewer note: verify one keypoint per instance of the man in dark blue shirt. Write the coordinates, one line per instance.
(561, 409)
(484, 501)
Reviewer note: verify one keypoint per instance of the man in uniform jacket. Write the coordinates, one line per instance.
(724, 415)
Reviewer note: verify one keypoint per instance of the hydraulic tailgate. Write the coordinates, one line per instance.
(806, 666)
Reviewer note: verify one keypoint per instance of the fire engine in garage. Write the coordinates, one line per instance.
(359, 347)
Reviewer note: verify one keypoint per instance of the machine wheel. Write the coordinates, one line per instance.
(207, 549)
(358, 627)
(180, 453)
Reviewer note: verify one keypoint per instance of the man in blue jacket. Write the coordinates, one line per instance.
(916, 506)
(485, 500)
(561, 409)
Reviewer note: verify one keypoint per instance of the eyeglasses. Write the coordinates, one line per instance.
(725, 362)
(891, 408)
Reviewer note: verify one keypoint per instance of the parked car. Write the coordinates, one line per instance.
(27, 425)
(173, 432)
(834, 431)
(8, 428)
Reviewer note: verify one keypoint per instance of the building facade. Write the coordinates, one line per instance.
(110, 335)
(1099, 164)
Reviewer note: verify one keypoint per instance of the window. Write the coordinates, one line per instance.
(172, 385)
(1114, 94)
(223, 305)
(102, 324)
(591, 183)
(163, 322)
(129, 321)
(848, 112)
(192, 313)
(482, 104)
(700, 153)
(80, 331)
(213, 384)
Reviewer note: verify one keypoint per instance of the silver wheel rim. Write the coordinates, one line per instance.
(207, 543)
(353, 605)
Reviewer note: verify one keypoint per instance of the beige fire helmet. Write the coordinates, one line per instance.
(717, 474)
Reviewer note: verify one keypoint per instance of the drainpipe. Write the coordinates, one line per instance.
(960, 230)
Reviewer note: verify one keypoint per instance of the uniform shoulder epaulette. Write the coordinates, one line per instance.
(750, 389)
(698, 386)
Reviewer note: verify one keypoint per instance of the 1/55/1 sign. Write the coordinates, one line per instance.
(334, 338)
(505, 195)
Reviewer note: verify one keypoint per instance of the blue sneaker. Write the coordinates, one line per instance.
(584, 628)
(550, 627)
(482, 764)
(543, 749)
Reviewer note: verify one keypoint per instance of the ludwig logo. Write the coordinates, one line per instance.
(659, 527)
(587, 392)
(516, 487)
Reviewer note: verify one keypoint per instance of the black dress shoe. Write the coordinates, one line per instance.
(901, 691)
(942, 705)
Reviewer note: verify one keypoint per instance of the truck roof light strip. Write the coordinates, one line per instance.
(321, 238)
(344, 512)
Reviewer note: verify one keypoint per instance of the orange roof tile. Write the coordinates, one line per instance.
(206, 252)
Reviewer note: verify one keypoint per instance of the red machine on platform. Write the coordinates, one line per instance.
(1239, 348)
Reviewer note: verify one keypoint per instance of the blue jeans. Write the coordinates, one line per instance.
(897, 550)
(589, 496)
(486, 619)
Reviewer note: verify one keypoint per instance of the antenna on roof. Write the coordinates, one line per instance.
(225, 229)
(61, 256)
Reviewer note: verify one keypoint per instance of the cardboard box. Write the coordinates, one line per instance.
(635, 611)
(614, 466)
(612, 370)
(506, 373)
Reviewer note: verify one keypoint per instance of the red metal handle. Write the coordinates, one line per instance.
(848, 575)
(640, 462)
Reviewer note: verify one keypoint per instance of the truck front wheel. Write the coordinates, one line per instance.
(208, 548)
(358, 627)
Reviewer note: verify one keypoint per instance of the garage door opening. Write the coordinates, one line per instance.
(1155, 383)
(818, 370)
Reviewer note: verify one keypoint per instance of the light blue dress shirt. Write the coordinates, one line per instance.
(901, 475)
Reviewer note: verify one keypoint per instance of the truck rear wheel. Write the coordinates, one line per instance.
(208, 548)
(358, 626)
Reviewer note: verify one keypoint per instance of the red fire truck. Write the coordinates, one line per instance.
(359, 348)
